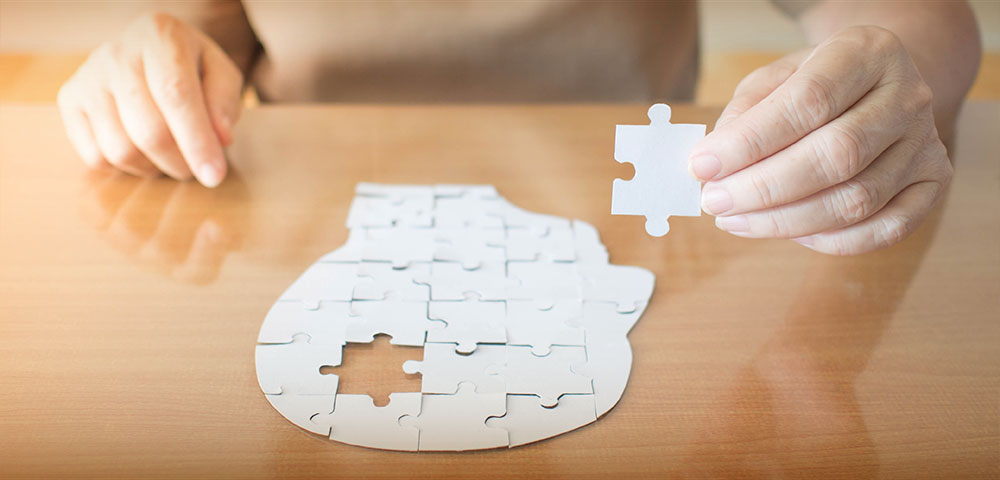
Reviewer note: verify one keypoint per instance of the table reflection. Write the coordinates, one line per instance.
(796, 398)
(181, 230)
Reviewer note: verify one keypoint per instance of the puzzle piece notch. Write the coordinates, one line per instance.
(296, 366)
(661, 186)
(458, 422)
(547, 377)
(405, 321)
(468, 323)
(443, 368)
(526, 421)
(356, 420)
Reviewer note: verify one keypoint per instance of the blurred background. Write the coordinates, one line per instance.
(43, 42)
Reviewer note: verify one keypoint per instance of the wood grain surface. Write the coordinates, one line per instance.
(129, 309)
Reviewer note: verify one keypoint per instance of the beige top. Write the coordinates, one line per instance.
(475, 51)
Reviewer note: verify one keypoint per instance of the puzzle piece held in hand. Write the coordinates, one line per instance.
(662, 186)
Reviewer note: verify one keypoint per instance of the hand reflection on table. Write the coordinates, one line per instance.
(795, 402)
(181, 230)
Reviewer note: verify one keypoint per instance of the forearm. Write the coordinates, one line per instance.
(226, 22)
(941, 37)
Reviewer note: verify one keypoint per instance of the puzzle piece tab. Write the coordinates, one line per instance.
(662, 186)
(356, 420)
(443, 368)
(458, 422)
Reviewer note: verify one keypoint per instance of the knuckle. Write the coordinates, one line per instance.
(871, 37)
(120, 154)
(766, 191)
(853, 203)
(777, 226)
(174, 90)
(840, 155)
(160, 22)
(152, 138)
(753, 142)
(891, 230)
(809, 103)
(922, 97)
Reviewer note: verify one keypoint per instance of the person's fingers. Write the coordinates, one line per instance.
(827, 156)
(144, 123)
(758, 85)
(171, 65)
(827, 83)
(889, 226)
(103, 194)
(222, 84)
(115, 145)
(78, 130)
(839, 206)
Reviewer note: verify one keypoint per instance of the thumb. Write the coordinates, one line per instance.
(222, 84)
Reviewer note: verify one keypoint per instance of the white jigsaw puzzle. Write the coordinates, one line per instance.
(662, 186)
(522, 321)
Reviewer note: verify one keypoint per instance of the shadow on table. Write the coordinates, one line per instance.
(181, 230)
(793, 411)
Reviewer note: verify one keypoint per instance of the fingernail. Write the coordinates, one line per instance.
(209, 175)
(705, 167)
(733, 224)
(804, 241)
(716, 200)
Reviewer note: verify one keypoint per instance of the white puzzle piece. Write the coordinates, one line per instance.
(296, 366)
(587, 244)
(555, 243)
(325, 325)
(356, 420)
(627, 287)
(458, 422)
(449, 281)
(443, 368)
(548, 377)
(522, 320)
(468, 323)
(383, 282)
(544, 281)
(526, 421)
(470, 247)
(662, 186)
(406, 322)
(608, 351)
(377, 206)
(324, 281)
(540, 328)
(302, 409)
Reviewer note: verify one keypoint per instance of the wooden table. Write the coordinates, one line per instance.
(129, 309)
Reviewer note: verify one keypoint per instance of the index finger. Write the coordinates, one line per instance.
(827, 83)
(170, 63)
